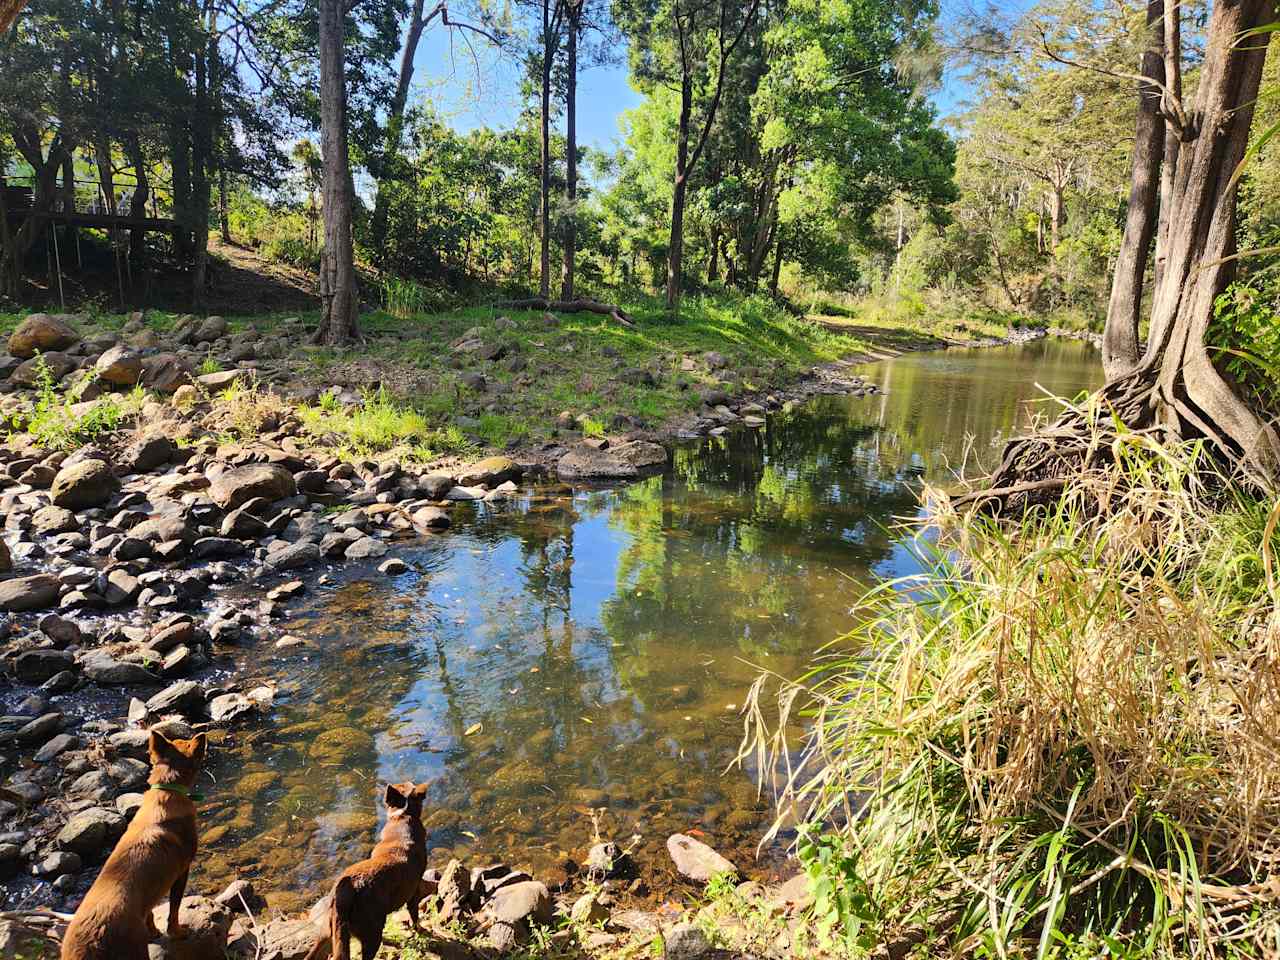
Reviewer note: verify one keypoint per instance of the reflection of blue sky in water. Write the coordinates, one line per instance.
(597, 646)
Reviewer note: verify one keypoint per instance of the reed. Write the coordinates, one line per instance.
(1062, 739)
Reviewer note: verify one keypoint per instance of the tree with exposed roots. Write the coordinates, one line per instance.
(1184, 193)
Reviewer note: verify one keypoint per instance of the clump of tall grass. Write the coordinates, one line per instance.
(1063, 739)
(378, 424)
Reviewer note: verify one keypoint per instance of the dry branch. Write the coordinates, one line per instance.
(570, 306)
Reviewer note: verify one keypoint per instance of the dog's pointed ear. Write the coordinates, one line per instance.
(198, 748)
(420, 790)
(161, 748)
(393, 798)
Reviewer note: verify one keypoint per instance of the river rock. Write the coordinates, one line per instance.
(284, 939)
(165, 372)
(120, 366)
(161, 530)
(107, 671)
(622, 462)
(241, 484)
(121, 587)
(432, 518)
(41, 332)
(205, 923)
(366, 548)
(40, 729)
(293, 556)
(49, 521)
(35, 592)
(220, 380)
(37, 666)
(239, 895)
(185, 697)
(84, 484)
(529, 901)
(56, 747)
(229, 707)
(695, 860)
(89, 831)
(490, 472)
(685, 941)
(147, 453)
(210, 329)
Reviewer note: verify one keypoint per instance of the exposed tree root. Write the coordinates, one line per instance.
(1036, 468)
(571, 306)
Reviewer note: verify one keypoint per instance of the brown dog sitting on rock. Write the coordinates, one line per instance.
(371, 890)
(151, 860)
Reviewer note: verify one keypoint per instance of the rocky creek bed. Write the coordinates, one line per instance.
(119, 560)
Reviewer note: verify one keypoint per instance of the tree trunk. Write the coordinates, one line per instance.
(1175, 389)
(69, 197)
(544, 156)
(1120, 335)
(141, 194)
(338, 294)
(201, 158)
(675, 248)
(570, 239)
(1171, 37)
(713, 265)
(777, 263)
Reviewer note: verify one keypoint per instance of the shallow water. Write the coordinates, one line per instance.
(573, 650)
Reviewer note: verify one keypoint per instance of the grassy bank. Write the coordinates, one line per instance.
(412, 388)
(1061, 740)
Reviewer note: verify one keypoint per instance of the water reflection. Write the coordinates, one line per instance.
(580, 650)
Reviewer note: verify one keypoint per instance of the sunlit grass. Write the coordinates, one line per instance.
(1061, 739)
(378, 424)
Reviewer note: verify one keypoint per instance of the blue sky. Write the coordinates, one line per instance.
(473, 87)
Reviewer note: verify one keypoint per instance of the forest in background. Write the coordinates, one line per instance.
(780, 146)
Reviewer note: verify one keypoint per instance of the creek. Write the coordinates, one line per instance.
(580, 652)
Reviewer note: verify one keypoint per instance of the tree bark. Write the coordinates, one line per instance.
(201, 157)
(1120, 335)
(9, 10)
(570, 306)
(141, 194)
(549, 29)
(777, 264)
(570, 238)
(1171, 37)
(675, 247)
(1175, 391)
(338, 293)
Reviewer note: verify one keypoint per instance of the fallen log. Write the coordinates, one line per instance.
(570, 306)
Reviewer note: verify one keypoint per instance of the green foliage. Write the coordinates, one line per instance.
(54, 423)
(1245, 337)
(844, 911)
(379, 424)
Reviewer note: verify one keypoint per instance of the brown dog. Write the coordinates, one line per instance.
(114, 921)
(371, 890)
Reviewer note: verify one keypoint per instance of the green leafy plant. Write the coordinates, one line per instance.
(54, 422)
(1245, 337)
(843, 908)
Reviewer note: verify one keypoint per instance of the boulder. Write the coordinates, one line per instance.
(165, 372)
(41, 332)
(284, 939)
(205, 923)
(161, 530)
(229, 707)
(239, 895)
(220, 380)
(84, 484)
(295, 555)
(120, 366)
(50, 520)
(147, 454)
(528, 901)
(210, 329)
(432, 518)
(238, 486)
(366, 548)
(40, 729)
(104, 669)
(90, 831)
(27, 373)
(685, 941)
(37, 666)
(185, 697)
(623, 462)
(490, 472)
(695, 860)
(35, 592)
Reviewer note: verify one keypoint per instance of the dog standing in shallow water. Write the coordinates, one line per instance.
(152, 859)
(371, 890)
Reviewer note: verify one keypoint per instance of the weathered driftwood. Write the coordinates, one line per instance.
(570, 306)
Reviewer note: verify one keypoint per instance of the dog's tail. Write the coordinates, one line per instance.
(339, 939)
